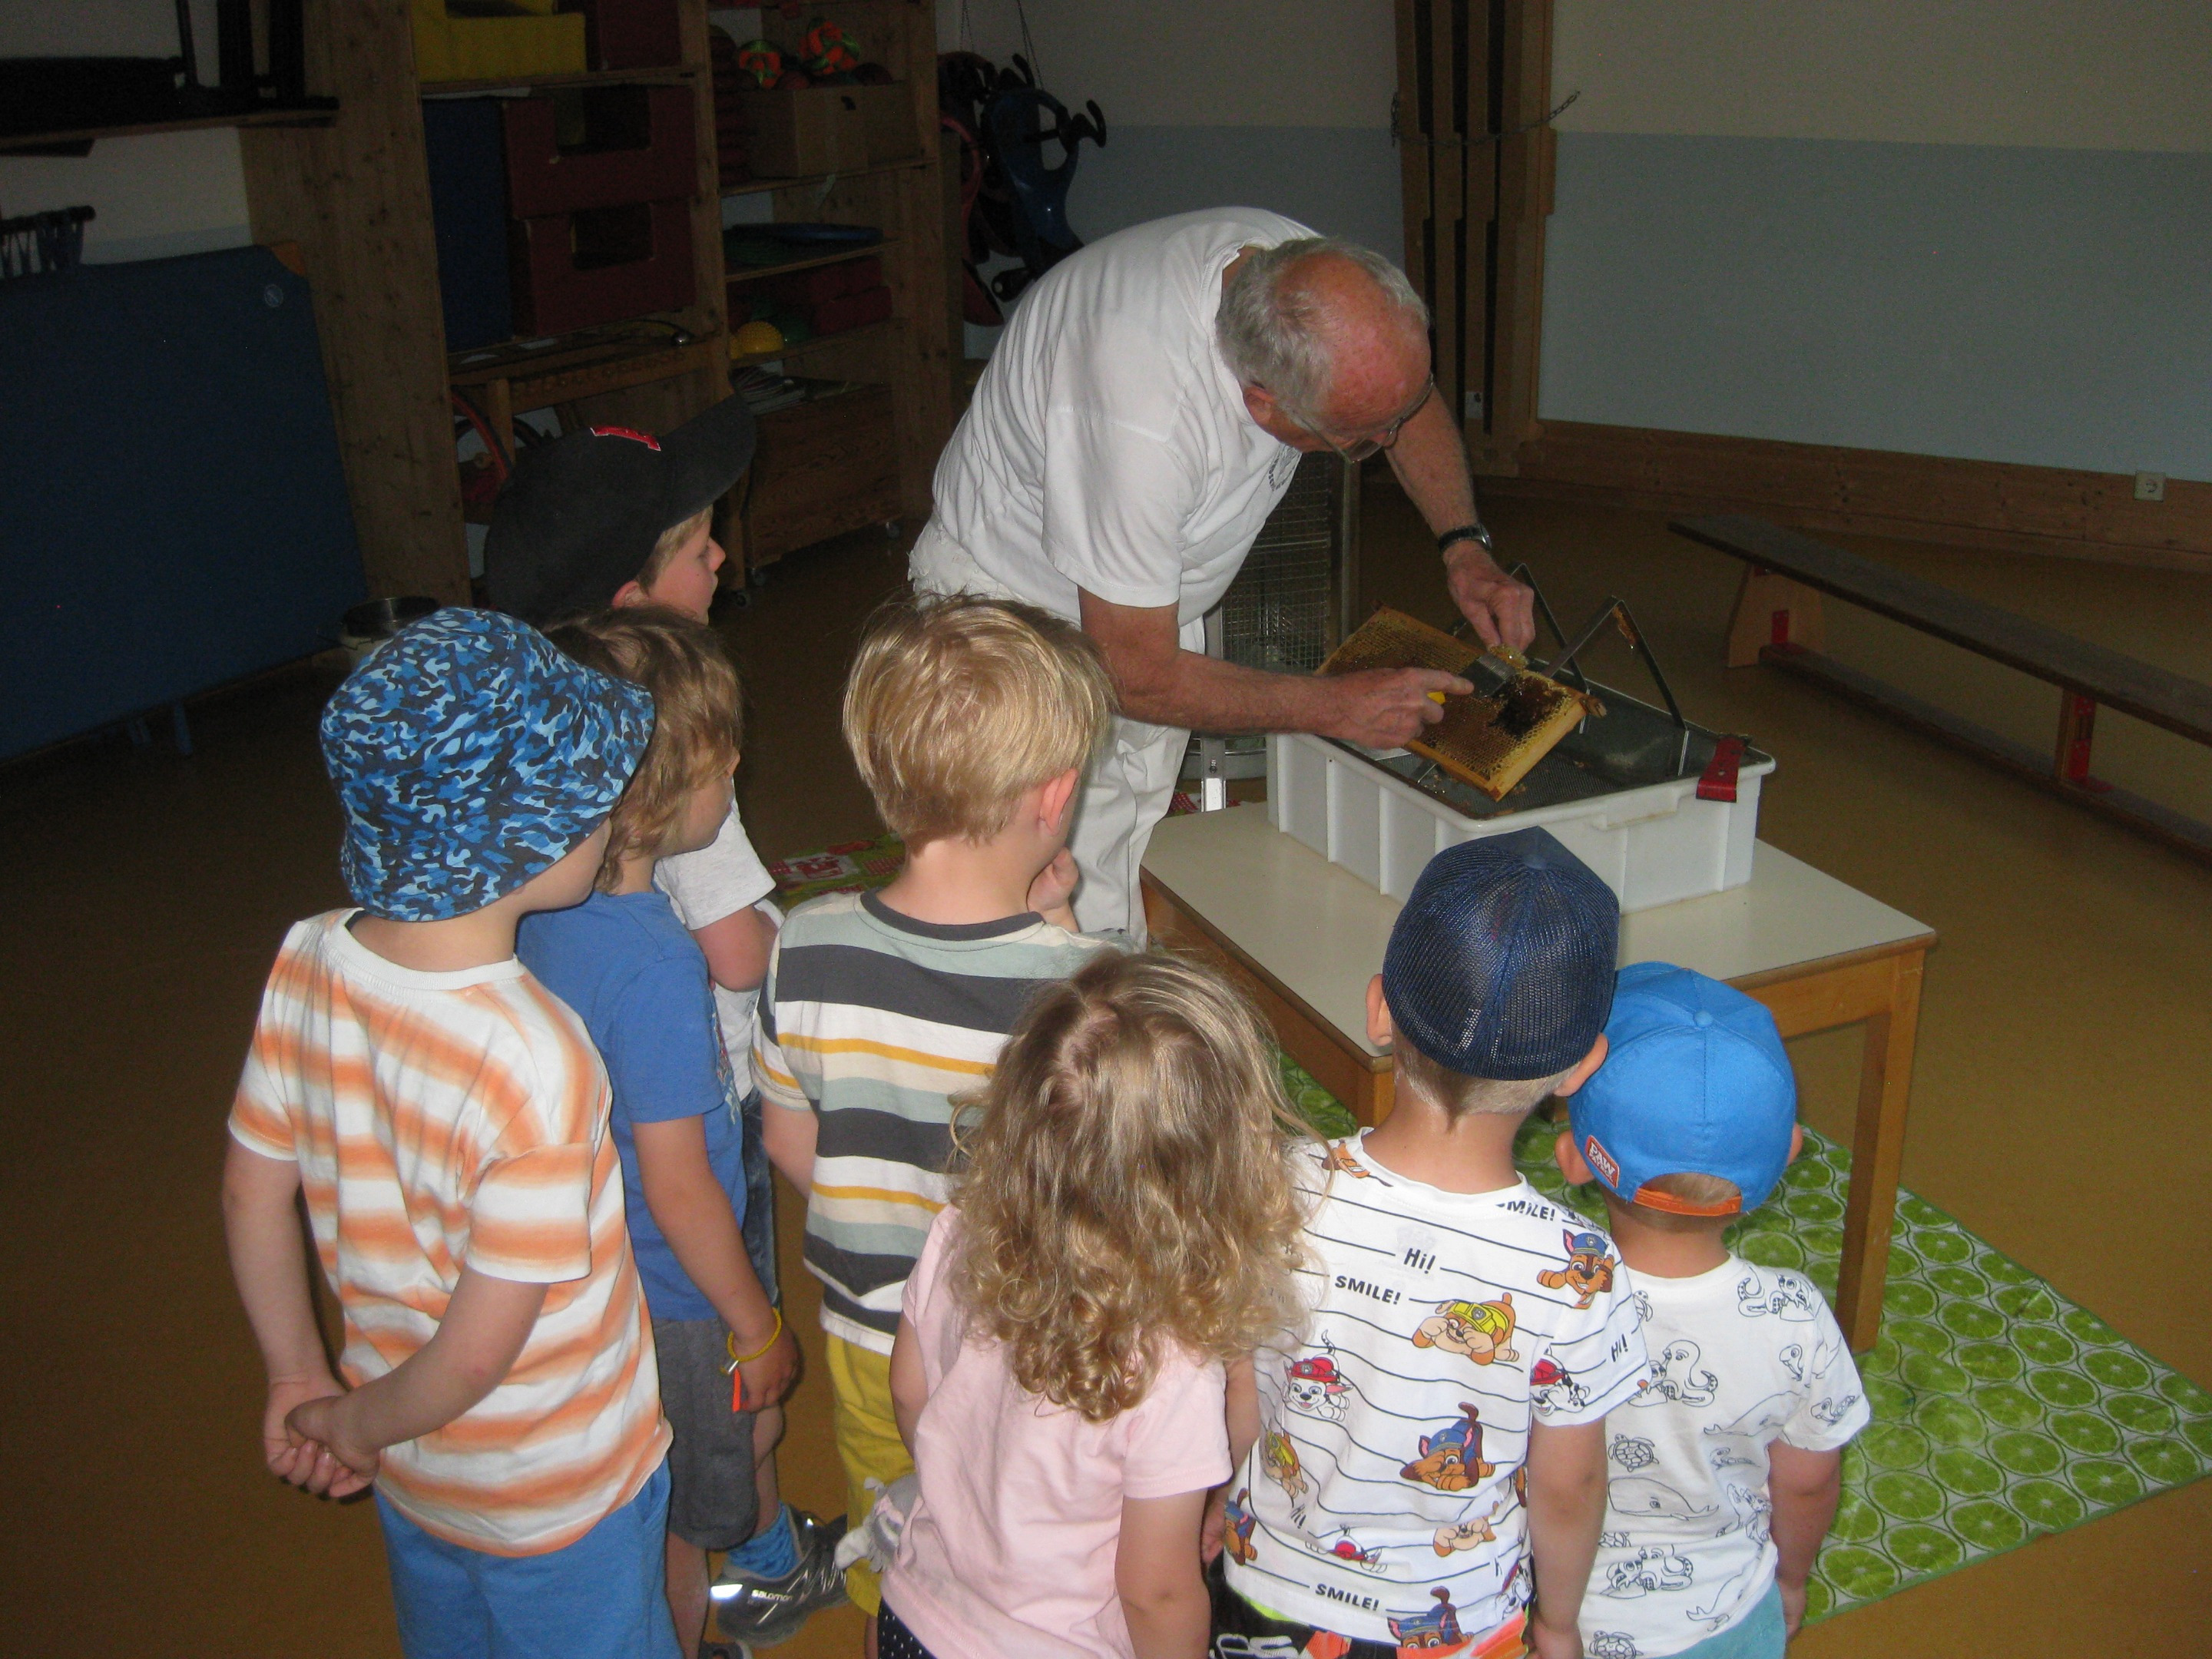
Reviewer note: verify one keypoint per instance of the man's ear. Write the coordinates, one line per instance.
(1796, 1142)
(1379, 1029)
(1572, 1164)
(1259, 404)
(629, 593)
(1588, 1063)
(1057, 799)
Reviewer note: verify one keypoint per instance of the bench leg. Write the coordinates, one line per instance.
(1878, 1155)
(1771, 610)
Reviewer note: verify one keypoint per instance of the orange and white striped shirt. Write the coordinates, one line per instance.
(460, 1119)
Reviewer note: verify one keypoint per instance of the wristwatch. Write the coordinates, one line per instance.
(1466, 532)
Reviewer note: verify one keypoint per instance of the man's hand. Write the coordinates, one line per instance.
(1551, 1642)
(1382, 707)
(1793, 1607)
(774, 1374)
(1499, 609)
(327, 1460)
(1055, 884)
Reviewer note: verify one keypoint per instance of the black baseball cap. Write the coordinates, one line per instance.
(579, 515)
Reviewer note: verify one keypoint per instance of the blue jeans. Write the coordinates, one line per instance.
(1762, 1635)
(603, 1597)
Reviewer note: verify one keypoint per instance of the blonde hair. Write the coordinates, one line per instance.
(663, 548)
(957, 704)
(1457, 1094)
(1123, 1183)
(1705, 1191)
(698, 714)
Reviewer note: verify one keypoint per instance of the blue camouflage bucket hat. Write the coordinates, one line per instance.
(470, 755)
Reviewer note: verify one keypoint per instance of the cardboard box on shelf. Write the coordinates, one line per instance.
(488, 48)
(812, 130)
(589, 147)
(632, 33)
(602, 264)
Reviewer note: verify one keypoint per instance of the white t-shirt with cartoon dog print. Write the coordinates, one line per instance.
(1741, 1357)
(1384, 1498)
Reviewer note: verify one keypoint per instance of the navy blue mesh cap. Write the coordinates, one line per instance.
(1501, 964)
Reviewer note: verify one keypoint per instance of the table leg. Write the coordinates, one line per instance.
(1878, 1153)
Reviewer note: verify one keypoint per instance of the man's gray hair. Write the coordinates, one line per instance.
(1280, 340)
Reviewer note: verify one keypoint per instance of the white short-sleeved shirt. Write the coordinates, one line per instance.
(1742, 1357)
(1108, 448)
(1384, 1499)
(721, 878)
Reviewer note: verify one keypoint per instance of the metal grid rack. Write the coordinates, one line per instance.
(1290, 606)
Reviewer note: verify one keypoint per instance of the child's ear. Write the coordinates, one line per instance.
(1057, 799)
(1378, 1014)
(629, 593)
(1572, 1164)
(1796, 1141)
(1588, 1063)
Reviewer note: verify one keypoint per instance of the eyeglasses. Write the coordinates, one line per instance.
(1359, 449)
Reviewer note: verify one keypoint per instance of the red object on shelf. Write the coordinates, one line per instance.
(809, 289)
(852, 311)
(632, 33)
(640, 146)
(598, 266)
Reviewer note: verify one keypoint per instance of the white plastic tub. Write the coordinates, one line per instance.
(1652, 844)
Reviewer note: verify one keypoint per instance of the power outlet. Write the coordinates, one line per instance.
(2150, 486)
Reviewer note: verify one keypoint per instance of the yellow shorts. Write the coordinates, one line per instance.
(868, 1444)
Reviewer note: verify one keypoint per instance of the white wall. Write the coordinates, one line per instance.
(166, 193)
(1980, 228)
(2131, 74)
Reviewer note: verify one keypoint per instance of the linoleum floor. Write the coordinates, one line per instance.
(2065, 1059)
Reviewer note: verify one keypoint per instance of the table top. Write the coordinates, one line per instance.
(1318, 930)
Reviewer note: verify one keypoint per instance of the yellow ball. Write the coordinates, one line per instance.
(756, 338)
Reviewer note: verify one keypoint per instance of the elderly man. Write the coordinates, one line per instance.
(1141, 416)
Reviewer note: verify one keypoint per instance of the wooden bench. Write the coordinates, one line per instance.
(1777, 620)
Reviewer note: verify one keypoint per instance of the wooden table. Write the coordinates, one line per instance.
(1304, 936)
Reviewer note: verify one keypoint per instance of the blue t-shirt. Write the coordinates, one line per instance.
(639, 983)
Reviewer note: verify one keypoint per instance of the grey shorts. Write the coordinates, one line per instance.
(711, 1501)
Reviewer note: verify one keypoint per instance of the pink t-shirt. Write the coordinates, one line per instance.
(1008, 1554)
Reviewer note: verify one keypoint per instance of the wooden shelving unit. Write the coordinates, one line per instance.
(355, 195)
(817, 472)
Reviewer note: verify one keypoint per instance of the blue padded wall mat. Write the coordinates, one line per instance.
(172, 509)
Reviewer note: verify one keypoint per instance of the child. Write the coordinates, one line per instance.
(1126, 1222)
(445, 1119)
(624, 963)
(1724, 1471)
(607, 516)
(1431, 1454)
(971, 721)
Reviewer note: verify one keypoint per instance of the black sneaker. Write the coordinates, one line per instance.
(763, 1612)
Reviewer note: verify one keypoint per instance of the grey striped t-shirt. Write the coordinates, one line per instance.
(873, 1021)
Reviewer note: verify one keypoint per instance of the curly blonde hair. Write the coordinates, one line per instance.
(1123, 1183)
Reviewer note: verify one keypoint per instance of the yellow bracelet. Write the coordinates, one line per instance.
(730, 1341)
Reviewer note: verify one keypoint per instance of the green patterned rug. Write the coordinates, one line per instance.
(2002, 1411)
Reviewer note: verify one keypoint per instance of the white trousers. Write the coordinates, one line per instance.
(1129, 786)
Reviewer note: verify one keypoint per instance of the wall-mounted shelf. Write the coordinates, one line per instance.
(859, 251)
(804, 348)
(315, 112)
(754, 186)
(674, 75)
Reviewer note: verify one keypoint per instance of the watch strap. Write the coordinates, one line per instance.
(1466, 532)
